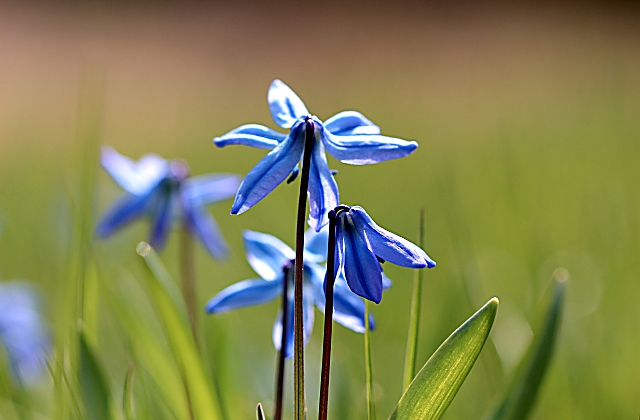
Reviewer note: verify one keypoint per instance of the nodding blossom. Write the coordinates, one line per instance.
(361, 245)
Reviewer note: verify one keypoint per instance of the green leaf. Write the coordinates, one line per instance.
(173, 315)
(414, 317)
(128, 403)
(92, 383)
(523, 391)
(441, 377)
(260, 412)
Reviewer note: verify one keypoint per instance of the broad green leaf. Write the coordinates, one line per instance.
(523, 391)
(94, 388)
(128, 403)
(441, 377)
(173, 315)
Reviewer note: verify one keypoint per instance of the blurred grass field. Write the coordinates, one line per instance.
(528, 119)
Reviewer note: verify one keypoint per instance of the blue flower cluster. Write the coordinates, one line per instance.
(271, 258)
(163, 191)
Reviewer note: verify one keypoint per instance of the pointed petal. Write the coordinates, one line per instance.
(361, 268)
(387, 245)
(315, 245)
(349, 123)
(125, 210)
(244, 293)
(348, 309)
(323, 190)
(270, 171)
(266, 254)
(204, 227)
(252, 135)
(286, 107)
(134, 177)
(161, 222)
(365, 149)
(210, 188)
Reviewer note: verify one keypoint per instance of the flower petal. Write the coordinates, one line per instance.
(125, 210)
(387, 245)
(161, 222)
(365, 149)
(270, 171)
(135, 177)
(286, 107)
(348, 309)
(252, 135)
(266, 254)
(323, 190)
(210, 188)
(204, 226)
(361, 267)
(244, 293)
(315, 245)
(349, 123)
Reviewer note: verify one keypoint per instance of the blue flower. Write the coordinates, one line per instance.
(23, 332)
(163, 191)
(360, 247)
(348, 136)
(269, 256)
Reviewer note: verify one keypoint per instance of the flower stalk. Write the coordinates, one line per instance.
(187, 274)
(283, 344)
(323, 407)
(298, 366)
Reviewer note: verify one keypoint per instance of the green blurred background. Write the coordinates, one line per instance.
(528, 119)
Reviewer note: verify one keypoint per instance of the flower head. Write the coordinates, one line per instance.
(348, 136)
(360, 247)
(163, 191)
(270, 258)
(23, 332)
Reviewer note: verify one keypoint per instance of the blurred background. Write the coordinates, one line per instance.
(528, 120)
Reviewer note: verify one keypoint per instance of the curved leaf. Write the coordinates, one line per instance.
(173, 315)
(522, 393)
(440, 378)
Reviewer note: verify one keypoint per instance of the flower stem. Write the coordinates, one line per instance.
(298, 322)
(328, 319)
(283, 344)
(414, 317)
(187, 272)
(371, 412)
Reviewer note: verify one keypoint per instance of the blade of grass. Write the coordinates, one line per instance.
(89, 113)
(522, 393)
(437, 383)
(173, 315)
(371, 408)
(128, 402)
(147, 342)
(414, 317)
(96, 395)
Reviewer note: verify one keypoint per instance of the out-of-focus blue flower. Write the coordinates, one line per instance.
(348, 136)
(360, 247)
(23, 333)
(163, 191)
(268, 256)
